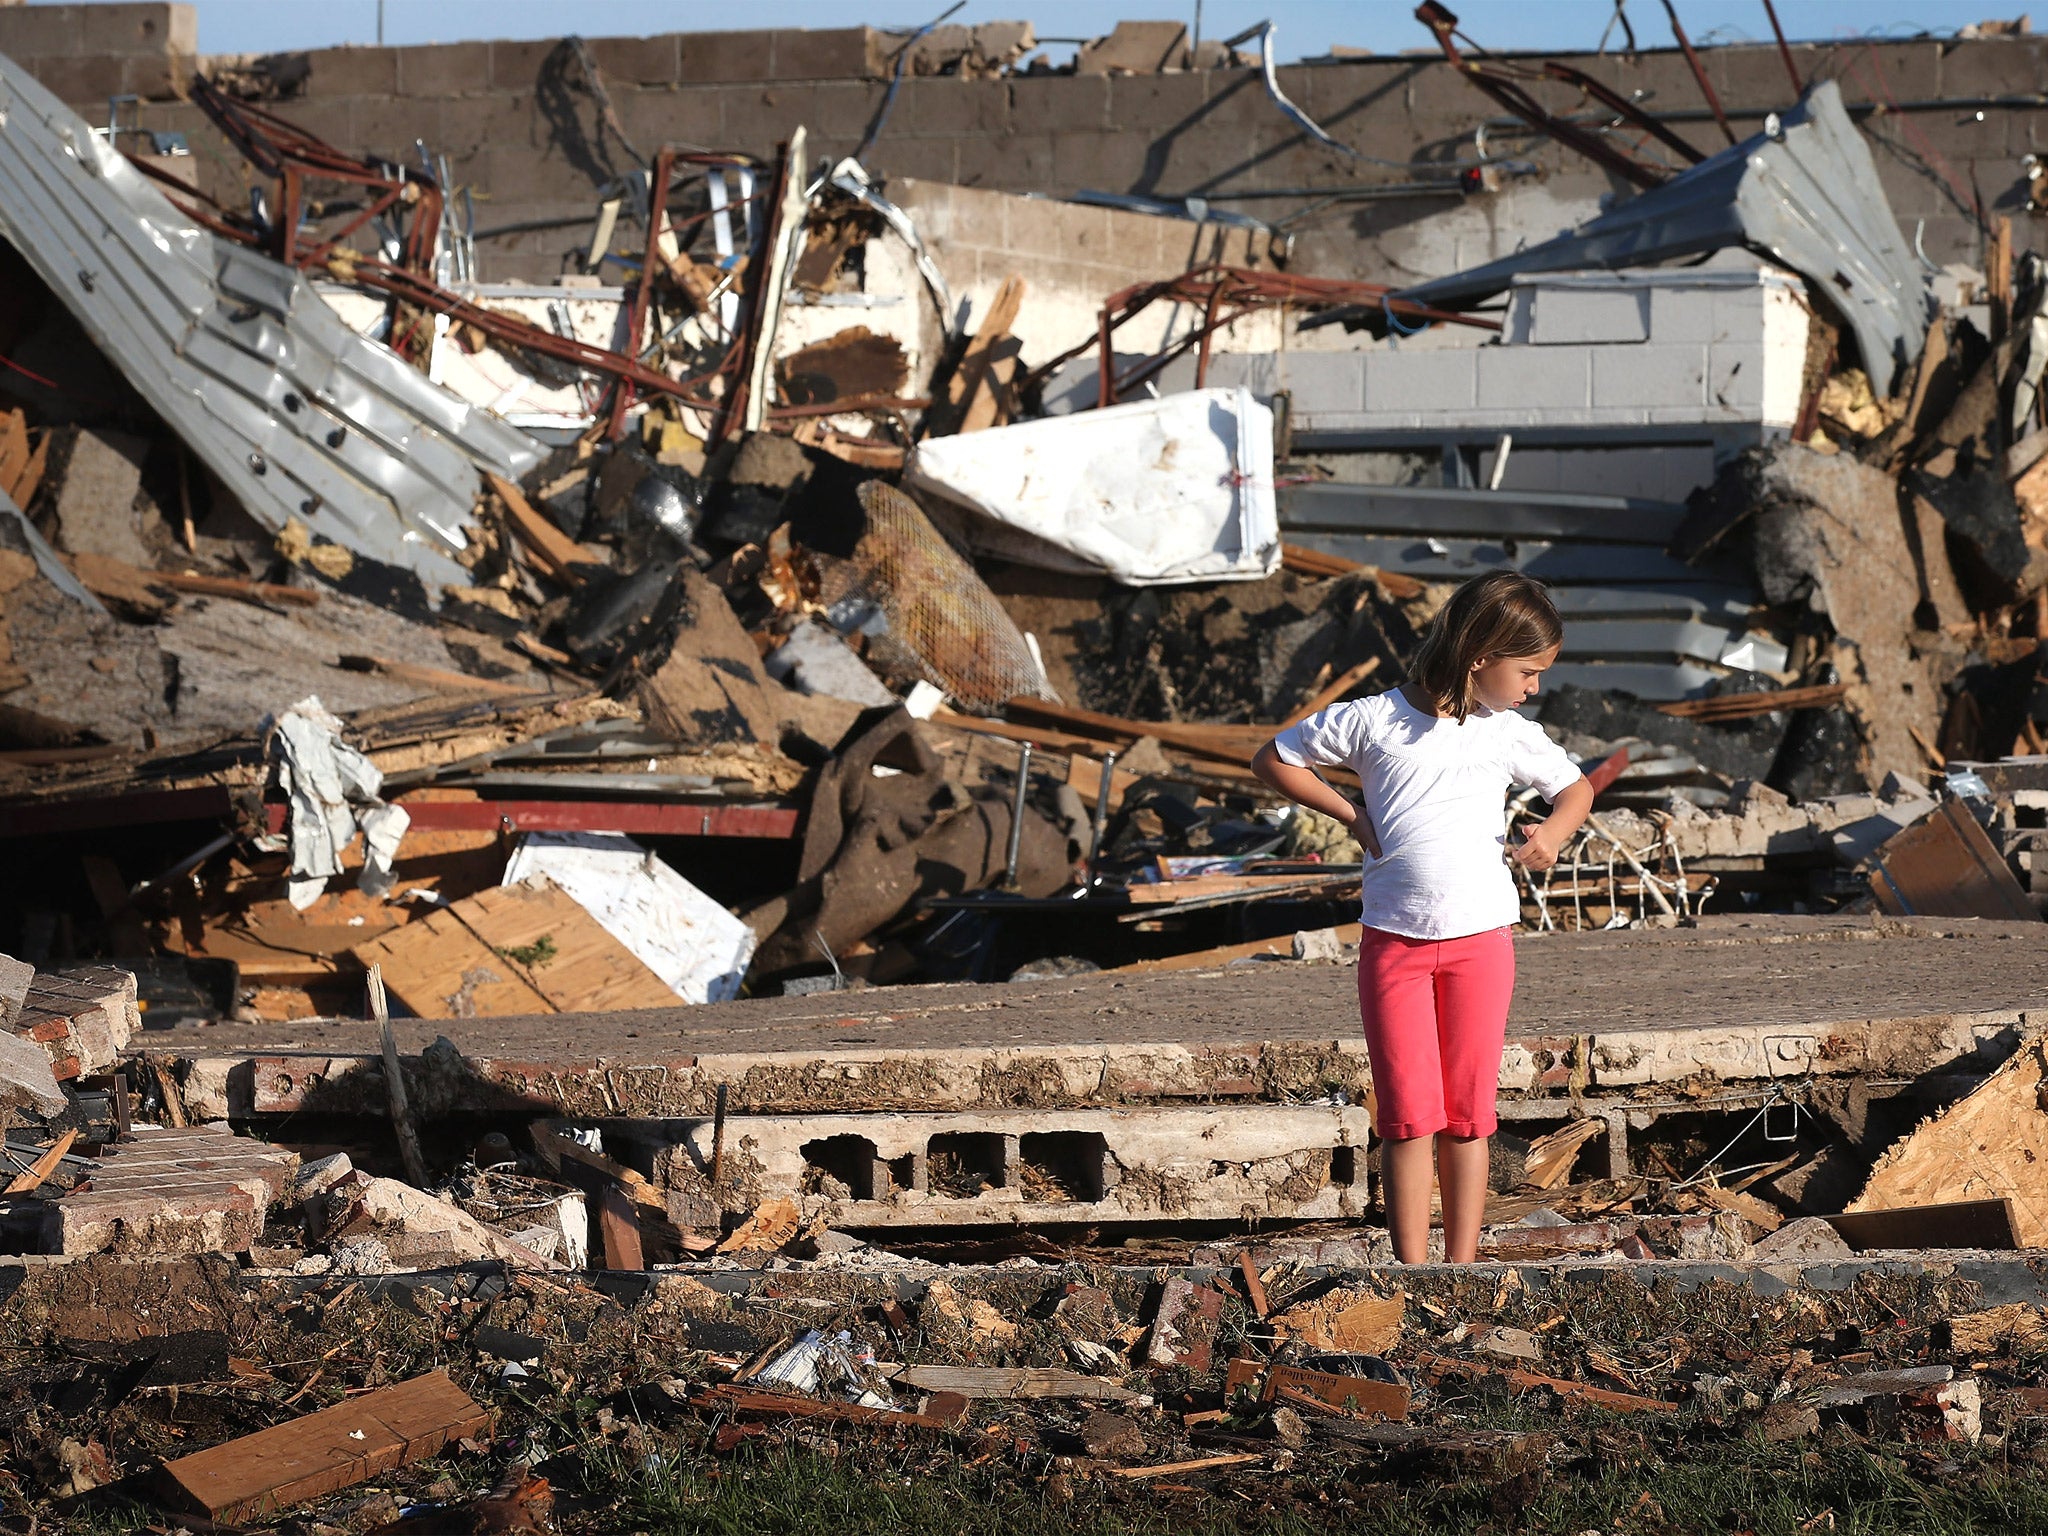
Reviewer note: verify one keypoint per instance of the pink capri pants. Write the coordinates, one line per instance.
(1436, 1013)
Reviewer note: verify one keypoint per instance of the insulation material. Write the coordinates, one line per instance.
(1155, 493)
(939, 608)
(698, 949)
(333, 790)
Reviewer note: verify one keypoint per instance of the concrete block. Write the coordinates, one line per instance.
(444, 69)
(1553, 380)
(1684, 314)
(1428, 383)
(1109, 162)
(951, 106)
(111, 31)
(352, 72)
(932, 159)
(85, 82)
(516, 65)
(724, 58)
(472, 124)
(1058, 103)
(1650, 375)
(1135, 47)
(830, 53)
(1742, 381)
(677, 115)
(1323, 381)
(1149, 105)
(637, 60)
(1572, 315)
(1015, 162)
(2000, 67)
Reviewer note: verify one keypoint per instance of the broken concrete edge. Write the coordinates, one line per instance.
(242, 1086)
(1997, 1279)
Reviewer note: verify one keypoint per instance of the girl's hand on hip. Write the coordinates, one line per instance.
(1537, 853)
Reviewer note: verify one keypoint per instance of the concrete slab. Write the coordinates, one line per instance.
(1632, 1015)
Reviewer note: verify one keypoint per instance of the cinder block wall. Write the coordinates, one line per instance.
(534, 149)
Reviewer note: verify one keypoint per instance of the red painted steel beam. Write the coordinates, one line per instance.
(150, 808)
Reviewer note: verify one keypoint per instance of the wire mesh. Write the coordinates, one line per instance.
(939, 608)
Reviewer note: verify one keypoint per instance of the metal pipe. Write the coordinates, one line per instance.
(1017, 816)
(1784, 52)
(1101, 825)
(1699, 71)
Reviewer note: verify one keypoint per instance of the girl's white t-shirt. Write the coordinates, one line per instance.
(1436, 790)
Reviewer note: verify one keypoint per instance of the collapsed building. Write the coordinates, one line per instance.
(755, 651)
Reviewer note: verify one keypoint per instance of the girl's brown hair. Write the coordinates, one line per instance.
(1502, 613)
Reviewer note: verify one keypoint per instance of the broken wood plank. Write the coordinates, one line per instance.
(778, 1405)
(1570, 1391)
(31, 1178)
(1254, 1287)
(990, 361)
(440, 679)
(1004, 1381)
(1989, 1224)
(324, 1452)
(1199, 1464)
(620, 1225)
(557, 554)
(1356, 1322)
(1745, 706)
(1342, 684)
(402, 1126)
(229, 586)
(1358, 1395)
(511, 950)
(1550, 1158)
(1748, 1207)
(1989, 1145)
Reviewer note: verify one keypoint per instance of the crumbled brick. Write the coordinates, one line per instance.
(82, 1018)
(165, 1192)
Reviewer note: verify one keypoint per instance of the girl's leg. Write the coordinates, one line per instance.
(1405, 1168)
(1398, 1002)
(1475, 980)
(1462, 1166)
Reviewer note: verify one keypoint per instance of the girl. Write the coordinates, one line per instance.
(1436, 965)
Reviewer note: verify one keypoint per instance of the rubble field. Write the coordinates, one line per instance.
(631, 896)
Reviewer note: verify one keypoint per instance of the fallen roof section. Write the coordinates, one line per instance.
(296, 414)
(1804, 192)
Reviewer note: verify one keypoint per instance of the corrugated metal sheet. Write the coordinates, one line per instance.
(1804, 192)
(296, 414)
(1635, 618)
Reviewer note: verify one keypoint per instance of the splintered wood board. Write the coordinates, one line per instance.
(1991, 1144)
(324, 1452)
(458, 962)
(589, 968)
(441, 970)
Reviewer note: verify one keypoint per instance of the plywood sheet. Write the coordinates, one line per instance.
(441, 970)
(1991, 1144)
(585, 969)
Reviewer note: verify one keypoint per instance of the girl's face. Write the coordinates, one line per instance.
(1507, 682)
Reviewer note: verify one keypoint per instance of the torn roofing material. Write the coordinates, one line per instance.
(297, 415)
(1803, 192)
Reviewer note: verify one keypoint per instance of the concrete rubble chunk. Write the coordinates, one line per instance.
(1509, 1344)
(411, 1224)
(1808, 1238)
(16, 976)
(1920, 1403)
(26, 1078)
(96, 505)
(170, 1192)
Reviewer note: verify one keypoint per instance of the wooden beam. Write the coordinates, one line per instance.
(310, 1457)
(557, 553)
(31, 1178)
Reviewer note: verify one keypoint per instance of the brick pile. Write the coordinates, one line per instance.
(81, 1018)
(167, 1192)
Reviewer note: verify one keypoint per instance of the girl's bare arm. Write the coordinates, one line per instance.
(1304, 786)
(1543, 842)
